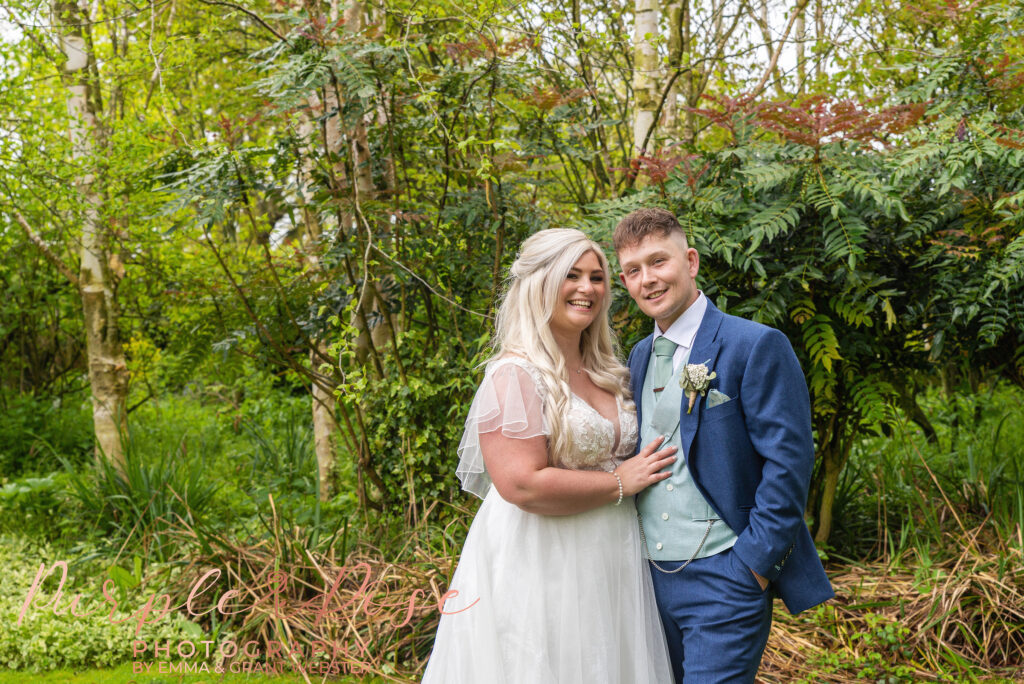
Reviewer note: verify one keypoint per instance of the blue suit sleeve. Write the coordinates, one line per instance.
(777, 410)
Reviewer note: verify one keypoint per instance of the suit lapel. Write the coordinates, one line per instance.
(705, 350)
(637, 373)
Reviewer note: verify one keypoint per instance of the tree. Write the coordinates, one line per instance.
(883, 241)
(108, 370)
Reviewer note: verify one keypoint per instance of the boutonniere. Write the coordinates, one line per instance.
(696, 379)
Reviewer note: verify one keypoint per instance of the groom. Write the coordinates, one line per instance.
(725, 533)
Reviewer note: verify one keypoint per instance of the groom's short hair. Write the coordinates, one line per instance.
(639, 224)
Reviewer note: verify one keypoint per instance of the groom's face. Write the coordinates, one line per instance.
(660, 273)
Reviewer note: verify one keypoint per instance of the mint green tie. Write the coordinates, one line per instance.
(664, 349)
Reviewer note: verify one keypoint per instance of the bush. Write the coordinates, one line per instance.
(901, 491)
(45, 641)
(36, 507)
(35, 432)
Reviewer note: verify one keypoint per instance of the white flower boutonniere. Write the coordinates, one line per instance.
(696, 379)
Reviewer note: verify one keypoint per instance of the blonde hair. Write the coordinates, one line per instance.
(522, 327)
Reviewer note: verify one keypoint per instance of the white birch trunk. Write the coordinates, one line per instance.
(819, 38)
(325, 427)
(645, 72)
(670, 113)
(108, 373)
(364, 190)
(357, 135)
(800, 29)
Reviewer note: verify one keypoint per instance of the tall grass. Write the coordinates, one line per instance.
(366, 608)
(927, 555)
(160, 487)
(928, 617)
(901, 493)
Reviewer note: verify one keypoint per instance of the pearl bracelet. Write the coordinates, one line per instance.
(619, 480)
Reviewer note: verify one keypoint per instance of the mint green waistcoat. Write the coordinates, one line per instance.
(674, 512)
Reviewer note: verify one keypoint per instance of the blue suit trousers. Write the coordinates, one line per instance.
(716, 618)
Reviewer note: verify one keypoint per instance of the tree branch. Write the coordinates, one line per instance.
(249, 13)
(800, 6)
(45, 249)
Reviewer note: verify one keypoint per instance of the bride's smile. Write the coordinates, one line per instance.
(581, 295)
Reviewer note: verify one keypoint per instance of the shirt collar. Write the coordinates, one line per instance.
(684, 329)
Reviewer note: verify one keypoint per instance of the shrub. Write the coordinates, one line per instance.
(35, 432)
(46, 641)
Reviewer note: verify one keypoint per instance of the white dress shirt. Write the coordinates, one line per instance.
(684, 329)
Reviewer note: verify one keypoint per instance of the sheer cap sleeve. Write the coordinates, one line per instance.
(509, 399)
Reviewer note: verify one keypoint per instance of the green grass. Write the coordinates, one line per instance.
(124, 675)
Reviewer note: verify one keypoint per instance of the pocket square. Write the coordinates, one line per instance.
(716, 398)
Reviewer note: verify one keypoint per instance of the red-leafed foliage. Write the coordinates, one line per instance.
(982, 236)
(814, 121)
(820, 119)
(657, 167)
(548, 99)
(1004, 75)
(483, 46)
(235, 129)
(407, 216)
(320, 29)
(731, 111)
(941, 13)
(1012, 137)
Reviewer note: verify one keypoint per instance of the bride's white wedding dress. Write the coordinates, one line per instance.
(547, 599)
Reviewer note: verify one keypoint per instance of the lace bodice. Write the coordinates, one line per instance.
(593, 434)
(594, 437)
(511, 399)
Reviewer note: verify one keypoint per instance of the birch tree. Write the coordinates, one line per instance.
(324, 382)
(349, 172)
(108, 373)
(645, 72)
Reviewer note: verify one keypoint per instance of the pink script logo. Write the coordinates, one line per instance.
(158, 606)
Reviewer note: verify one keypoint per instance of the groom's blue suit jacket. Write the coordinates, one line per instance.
(752, 456)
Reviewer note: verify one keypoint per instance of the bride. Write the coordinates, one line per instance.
(551, 585)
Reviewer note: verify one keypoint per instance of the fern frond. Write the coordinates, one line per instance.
(937, 75)
(913, 162)
(867, 186)
(717, 239)
(843, 239)
(822, 385)
(872, 400)
(924, 223)
(761, 177)
(802, 310)
(818, 193)
(994, 320)
(779, 217)
(601, 217)
(820, 341)
(856, 314)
